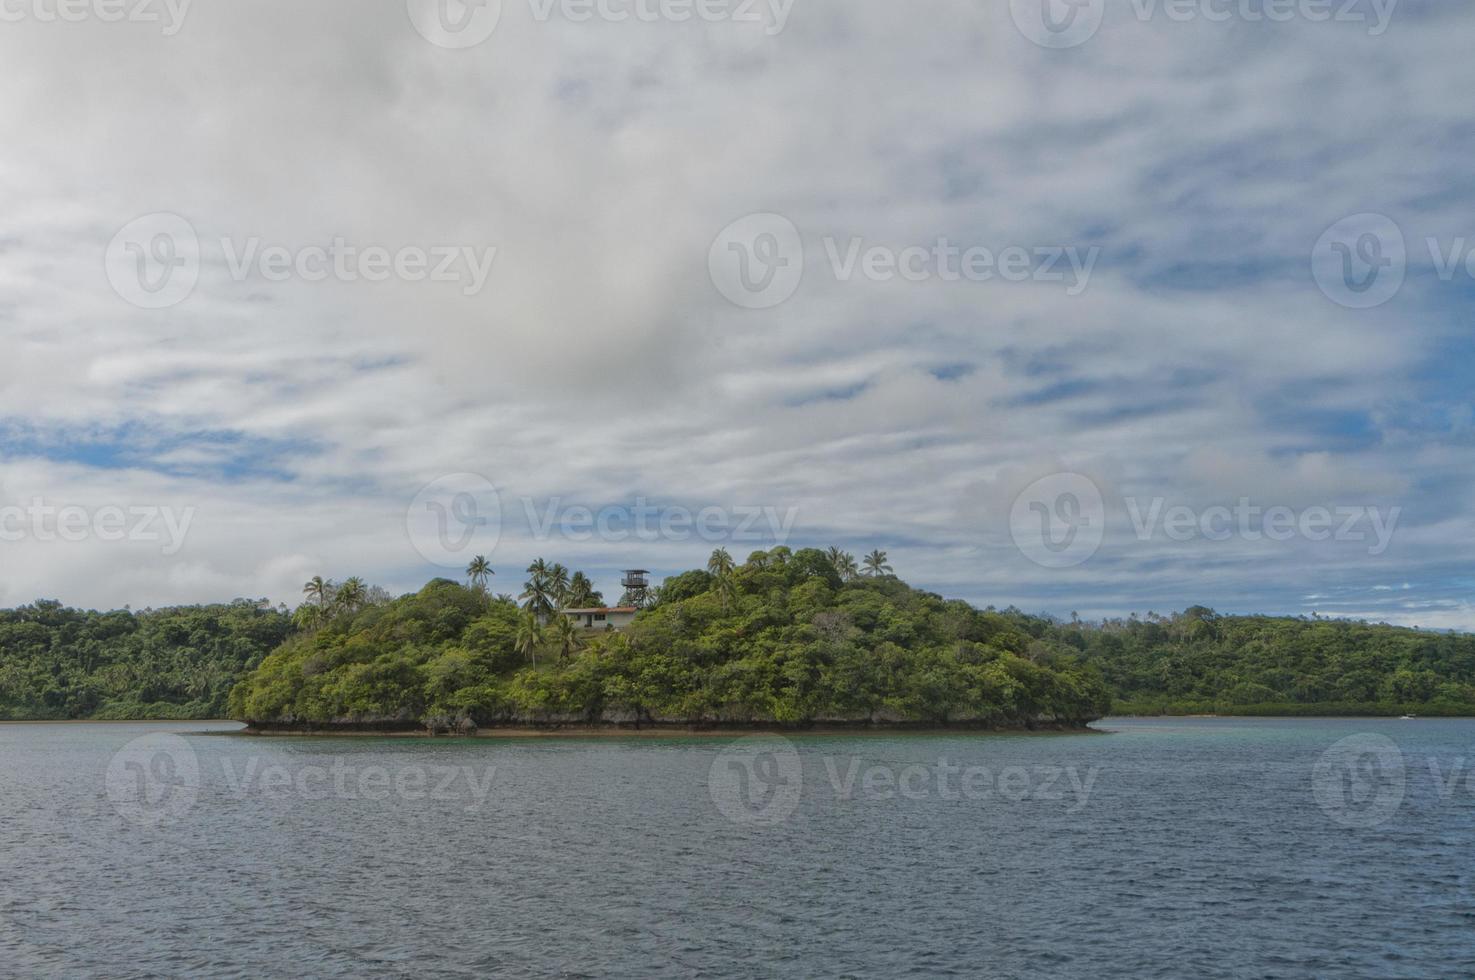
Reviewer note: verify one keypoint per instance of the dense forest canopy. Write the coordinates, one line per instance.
(1198, 661)
(785, 637)
(59, 663)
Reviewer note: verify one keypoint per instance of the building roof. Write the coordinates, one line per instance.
(601, 609)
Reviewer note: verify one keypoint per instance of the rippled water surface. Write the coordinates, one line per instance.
(1170, 848)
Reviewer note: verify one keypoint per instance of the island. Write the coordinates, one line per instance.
(785, 640)
(788, 640)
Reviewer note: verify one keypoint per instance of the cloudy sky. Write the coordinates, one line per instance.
(1119, 311)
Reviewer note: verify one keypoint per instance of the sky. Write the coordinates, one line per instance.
(1098, 308)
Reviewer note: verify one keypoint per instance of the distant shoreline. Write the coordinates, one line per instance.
(526, 731)
(555, 730)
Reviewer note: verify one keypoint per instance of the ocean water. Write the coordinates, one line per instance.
(1159, 848)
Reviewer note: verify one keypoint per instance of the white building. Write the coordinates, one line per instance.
(603, 617)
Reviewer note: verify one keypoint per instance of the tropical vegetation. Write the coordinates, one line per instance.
(790, 638)
(59, 663)
(787, 638)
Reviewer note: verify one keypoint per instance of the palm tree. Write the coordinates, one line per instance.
(351, 595)
(720, 567)
(875, 563)
(725, 590)
(308, 616)
(566, 636)
(478, 572)
(529, 636)
(720, 563)
(538, 569)
(844, 563)
(320, 590)
(535, 593)
(558, 583)
(581, 592)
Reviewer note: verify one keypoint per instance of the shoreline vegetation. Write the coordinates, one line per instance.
(657, 730)
(805, 642)
(786, 640)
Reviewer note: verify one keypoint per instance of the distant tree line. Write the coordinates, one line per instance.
(786, 636)
(1198, 661)
(58, 663)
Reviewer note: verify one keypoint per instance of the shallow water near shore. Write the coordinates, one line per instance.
(1213, 846)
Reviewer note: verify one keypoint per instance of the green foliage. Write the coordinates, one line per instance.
(59, 663)
(1200, 662)
(782, 639)
(787, 637)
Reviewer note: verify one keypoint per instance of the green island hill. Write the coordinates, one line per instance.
(784, 640)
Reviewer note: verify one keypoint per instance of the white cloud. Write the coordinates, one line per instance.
(599, 363)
